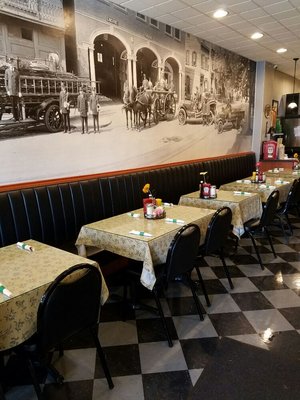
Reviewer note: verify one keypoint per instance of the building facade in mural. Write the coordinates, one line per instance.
(191, 82)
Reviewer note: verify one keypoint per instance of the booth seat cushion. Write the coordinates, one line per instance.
(54, 214)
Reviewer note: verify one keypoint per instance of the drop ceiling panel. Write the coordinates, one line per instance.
(279, 20)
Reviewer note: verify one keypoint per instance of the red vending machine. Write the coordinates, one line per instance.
(270, 150)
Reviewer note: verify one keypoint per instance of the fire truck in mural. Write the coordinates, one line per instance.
(38, 102)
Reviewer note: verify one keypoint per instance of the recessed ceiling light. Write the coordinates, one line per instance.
(281, 50)
(257, 35)
(220, 13)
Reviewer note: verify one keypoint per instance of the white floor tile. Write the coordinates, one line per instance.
(264, 319)
(221, 303)
(195, 375)
(282, 298)
(76, 365)
(159, 357)
(126, 388)
(190, 327)
(254, 270)
(241, 285)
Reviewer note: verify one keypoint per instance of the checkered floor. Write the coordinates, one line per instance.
(142, 365)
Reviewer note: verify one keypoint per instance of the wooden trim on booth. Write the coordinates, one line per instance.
(56, 181)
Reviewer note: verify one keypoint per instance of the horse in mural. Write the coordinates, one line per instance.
(142, 108)
(128, 100)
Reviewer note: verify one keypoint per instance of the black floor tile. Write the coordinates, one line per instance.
(240, 371)
(78, 390)
(292, 314)
(251, 301)
(151, 330)
(283, 268)
(167, 385)
(183, 306)
(198, 352)
(121, 360)
(289, 257)
(268, 282)
(229, 324)
(244, 259)
(234, 272)
(214, 286)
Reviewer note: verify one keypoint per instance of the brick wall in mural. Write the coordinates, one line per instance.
(88, 86)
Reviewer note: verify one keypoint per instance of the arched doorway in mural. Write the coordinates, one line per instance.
(171, 74)
(110, 65)
(146, 63)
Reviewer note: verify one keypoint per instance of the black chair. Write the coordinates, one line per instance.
(179, 264)
(70, 304)
(216, 237)
(259, 226)
(285, 208)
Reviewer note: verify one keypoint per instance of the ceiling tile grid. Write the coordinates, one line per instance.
(278, 20)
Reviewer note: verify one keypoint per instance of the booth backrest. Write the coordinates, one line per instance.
(54, 214)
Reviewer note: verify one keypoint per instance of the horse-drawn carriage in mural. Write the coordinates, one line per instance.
(193, 112)
(148, 105)
(38, 102)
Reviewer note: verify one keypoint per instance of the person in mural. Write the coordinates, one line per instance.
(145, 83)
(196, 100)
(95, 108)
(227, 110)
(64, 106)
(12, 86)
(205, 111)
(83, 107)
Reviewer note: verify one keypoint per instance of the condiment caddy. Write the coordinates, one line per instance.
(206, 190)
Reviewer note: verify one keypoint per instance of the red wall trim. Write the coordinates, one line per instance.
(55, 181)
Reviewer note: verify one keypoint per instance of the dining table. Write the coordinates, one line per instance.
(282, 173)
(136, 237)
(25, 273)
(264, 189)
(244, 206)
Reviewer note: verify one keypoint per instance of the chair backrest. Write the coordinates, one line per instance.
(70, 304)
(183, 251)
(293, 195)
(269, 209)
(218, 230)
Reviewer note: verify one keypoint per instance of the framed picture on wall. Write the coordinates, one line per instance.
(275, 106)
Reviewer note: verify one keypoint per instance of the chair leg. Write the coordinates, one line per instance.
(35, 382)
(162, 317)
(196, 300)
(102, 358)
(270, 241)
(200, 279)
(256, 250)
(289, 225)
(226, 269)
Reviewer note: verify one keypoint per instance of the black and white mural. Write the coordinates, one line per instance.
(88, 86)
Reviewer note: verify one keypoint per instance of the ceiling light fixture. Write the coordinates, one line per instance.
(257, 35)
(293, 104)
(281, 50)
(220, 13)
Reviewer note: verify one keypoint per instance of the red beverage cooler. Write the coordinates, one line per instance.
(270, 150)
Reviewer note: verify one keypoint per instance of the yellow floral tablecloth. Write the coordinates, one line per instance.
(263, 189)
(27, 275)
(283, 173)
(112, 234)
(243, 207)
